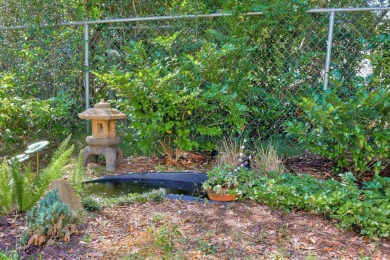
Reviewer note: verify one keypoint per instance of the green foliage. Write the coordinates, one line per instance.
(164, 238)
(218, 178)
(18, 180)
(21, 118)
(47, 213)
(77, 175)
(222, 180)
(6, 196)
(95, 203)
(24, 118)
(253, 65)
(372, 213)
(173, 97)
(207, 249)
(9, 255)
(353, 131)
(15, 186)
(21, 188)
(350, 122)
(366, 209)
(92, 203)
(52, 171)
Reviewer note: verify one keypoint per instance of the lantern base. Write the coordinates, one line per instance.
(108, 147)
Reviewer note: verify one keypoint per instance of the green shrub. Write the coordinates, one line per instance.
(353, 131)
(21, 118)
(350, 122)
(178, 100)
(24, 118)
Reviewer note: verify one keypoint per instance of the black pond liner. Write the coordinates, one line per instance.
(185, 185)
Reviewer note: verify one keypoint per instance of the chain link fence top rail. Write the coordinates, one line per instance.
(287, 60)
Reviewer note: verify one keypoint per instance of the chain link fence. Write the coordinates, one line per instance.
(285, 60)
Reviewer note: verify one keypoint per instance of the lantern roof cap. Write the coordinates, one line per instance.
(102, 111)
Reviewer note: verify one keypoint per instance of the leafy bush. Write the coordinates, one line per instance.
(350, 122)
(24, 118)
(179, 100)
(353, 131)
(366, 209)
(21, 118)
(50, 219)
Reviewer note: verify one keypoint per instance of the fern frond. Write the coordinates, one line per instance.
(61, 149)
(77, 175)
(5, 188)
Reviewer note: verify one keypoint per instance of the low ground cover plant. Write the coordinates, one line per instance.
(96, 203)
(366, 210)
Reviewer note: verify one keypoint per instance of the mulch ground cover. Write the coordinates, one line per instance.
(177, 229)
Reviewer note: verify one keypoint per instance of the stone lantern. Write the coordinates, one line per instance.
(103, 140)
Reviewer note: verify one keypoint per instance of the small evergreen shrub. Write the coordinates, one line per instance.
(353, 131)
(50, 219)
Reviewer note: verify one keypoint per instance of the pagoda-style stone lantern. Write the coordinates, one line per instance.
(103, 140)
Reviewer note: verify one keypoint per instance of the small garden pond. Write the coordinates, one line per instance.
(183, 183)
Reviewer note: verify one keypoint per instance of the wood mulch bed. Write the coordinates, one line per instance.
(241, 230)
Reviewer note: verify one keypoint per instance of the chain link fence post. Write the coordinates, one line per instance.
(329, 49)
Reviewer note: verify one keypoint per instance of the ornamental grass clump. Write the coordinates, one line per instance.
(267, 160)
(232, 169)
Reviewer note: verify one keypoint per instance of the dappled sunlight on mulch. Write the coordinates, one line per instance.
(208, 231)
(205, 230)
